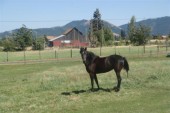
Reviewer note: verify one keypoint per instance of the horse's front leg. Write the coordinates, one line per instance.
(119, 79)
(92, 80)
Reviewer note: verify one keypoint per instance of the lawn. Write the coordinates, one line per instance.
(63, 87)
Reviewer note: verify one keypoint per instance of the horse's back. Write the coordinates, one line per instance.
(104, 64)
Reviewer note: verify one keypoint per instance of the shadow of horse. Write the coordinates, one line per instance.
(86, 91)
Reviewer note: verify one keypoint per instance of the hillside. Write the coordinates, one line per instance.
(82, 25)
(159, 26)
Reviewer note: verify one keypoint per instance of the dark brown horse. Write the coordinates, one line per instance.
(95, 64)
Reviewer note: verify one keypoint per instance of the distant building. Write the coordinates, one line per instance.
(70, 38)
(116, 36)
(162, 37)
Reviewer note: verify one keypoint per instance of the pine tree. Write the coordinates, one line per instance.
(95, 30)
(96, 21)
(131, 29)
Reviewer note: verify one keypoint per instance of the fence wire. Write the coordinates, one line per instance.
(65, 54)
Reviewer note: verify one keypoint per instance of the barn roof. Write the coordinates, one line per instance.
(67, 31)
(56, 37)
(50, 37)
(70, 29)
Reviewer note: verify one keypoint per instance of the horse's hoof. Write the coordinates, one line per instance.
(116, 89)
(92, 89)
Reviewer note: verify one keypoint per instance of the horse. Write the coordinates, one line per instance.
(95, 65)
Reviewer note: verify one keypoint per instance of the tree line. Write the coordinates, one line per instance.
(21, 39)
(100, 35)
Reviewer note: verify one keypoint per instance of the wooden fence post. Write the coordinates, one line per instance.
(39, 55)
(157, 50)
(7, 57)
(24, 58)
(144, 48)
(56, 54)
(71, 53)
(129, 49)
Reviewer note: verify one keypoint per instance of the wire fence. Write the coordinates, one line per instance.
(70, 54)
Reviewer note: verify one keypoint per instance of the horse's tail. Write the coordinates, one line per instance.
(126, 65)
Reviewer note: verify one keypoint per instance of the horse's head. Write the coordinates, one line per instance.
(83, 52)
(86, 56)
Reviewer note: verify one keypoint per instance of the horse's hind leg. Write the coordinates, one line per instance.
(117, 88)
(96, 80)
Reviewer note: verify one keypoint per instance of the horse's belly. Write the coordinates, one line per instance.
(103, 69)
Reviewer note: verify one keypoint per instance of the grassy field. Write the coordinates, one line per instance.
(63, 87)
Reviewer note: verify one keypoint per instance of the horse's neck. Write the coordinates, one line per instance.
(93, 60)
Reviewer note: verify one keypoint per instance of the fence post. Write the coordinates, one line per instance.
(157, 50)
(144, 48)
(115, 50)
(129, 49)
(138, 51)
(24, 58)
(39, 55)
(100, 50)
(71, 52)
(150, 53)
(56, 55)
(7, 57)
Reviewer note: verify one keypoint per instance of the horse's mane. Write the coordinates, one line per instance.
(92, 57)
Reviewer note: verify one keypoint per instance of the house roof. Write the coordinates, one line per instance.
(56, 37)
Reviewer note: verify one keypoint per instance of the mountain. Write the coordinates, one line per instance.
(159, 26)
(82, 25)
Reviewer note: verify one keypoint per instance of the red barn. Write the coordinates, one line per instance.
(70, 38)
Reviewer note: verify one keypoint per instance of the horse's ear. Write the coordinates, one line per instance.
(85, 48)
(81, 50)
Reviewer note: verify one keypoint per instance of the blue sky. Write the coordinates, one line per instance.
(50, 13)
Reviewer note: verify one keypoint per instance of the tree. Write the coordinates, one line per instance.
(141, 35)
(138, 35)
(95, 30)
(108, 36)
(38, 44)
(123, 34)
(131, 29)
(46, 42)
(8, 44)
(23, 38)
(97, 22)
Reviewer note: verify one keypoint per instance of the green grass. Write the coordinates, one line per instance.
(63, 87)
